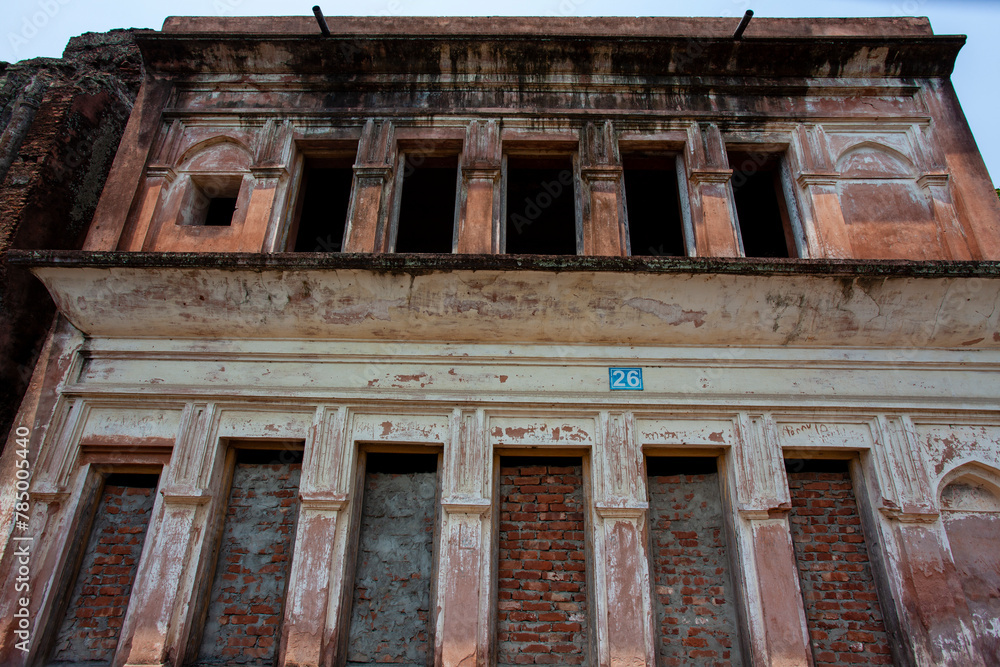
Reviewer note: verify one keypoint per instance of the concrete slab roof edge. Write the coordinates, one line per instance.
(492, 26)
(411, 263)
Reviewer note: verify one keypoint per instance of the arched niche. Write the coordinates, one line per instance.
(871, 160)
(219, 154)
(212, 189)
(887, 215)
(970, 509)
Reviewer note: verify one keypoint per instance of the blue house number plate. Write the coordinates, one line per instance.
(629, 379)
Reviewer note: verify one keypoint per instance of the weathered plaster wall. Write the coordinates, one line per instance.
(92, 625)
(696, 611)
(391, 609)
(842, 606)
(971, 513)
(543, 611)
(248, 590)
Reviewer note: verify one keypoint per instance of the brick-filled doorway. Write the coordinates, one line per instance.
(845, 621)
(246, 603)
(91, 627)
(542, 614)
(694, 600)
(390, 616)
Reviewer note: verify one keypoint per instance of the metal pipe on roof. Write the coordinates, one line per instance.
(321, 20)
(739, 29)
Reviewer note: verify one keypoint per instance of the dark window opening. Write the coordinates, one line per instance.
(541, 210)
(211, 201)
(397, 464)
(220, 211)
(652, 200)
(665, 466)
(760, 205)
(427, 205)
(326, 195)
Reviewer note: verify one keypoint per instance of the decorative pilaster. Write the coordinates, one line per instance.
(956, 240)
(272, 153)
(480, 199)
(262, 217)
(368, 214)
(625, 626)
(823, 224)
(316, 582)
(765, 557)
(713, 212)
(903, 480)
(162, 606)
(953, 238)
(604, 230)
(462, 629)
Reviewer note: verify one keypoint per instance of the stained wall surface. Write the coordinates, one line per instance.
(178, 340)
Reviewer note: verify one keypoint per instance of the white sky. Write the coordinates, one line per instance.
(33, 28)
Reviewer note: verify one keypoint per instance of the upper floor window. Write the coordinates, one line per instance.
(652, 203)
(541, 205)
(428, 208)
(761, 208)
(321, 210)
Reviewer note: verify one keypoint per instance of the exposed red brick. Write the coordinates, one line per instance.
(842, 611)
(542, 617)
(694, 600)
(258, 526)
(97, 605)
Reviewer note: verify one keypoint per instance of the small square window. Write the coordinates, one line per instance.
(211, 201)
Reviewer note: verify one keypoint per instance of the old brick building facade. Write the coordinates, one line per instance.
(332, 379)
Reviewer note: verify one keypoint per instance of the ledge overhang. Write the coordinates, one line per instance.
(341, 58)
(530, 299)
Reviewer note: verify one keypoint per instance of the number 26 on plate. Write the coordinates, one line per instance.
(625, 378)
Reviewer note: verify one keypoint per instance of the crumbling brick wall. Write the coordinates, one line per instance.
(842, 609)
(93, 620)
(390, 614)
(696, 618)
(542, 615)
(247, 596)
(59, 157)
